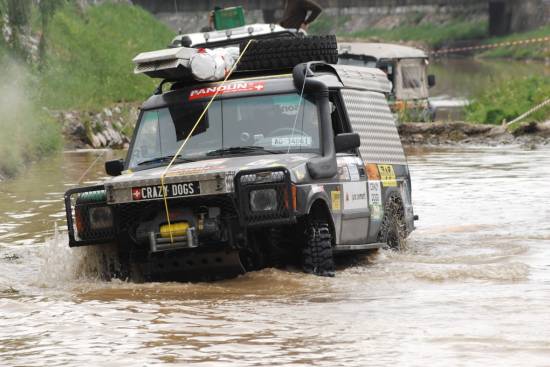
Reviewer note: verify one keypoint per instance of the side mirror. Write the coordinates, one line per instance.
(431, 80)
(346, 141)
(114, 168)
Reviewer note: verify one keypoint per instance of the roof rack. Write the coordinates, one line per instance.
(233, 36)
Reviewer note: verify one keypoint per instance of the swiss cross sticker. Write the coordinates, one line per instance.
(233, 87)
(136, 193)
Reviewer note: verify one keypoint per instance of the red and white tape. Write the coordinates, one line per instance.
(492, 45)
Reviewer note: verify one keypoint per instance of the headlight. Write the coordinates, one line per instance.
(101, 217)
(263, 200)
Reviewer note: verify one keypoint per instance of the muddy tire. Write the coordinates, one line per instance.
(287, 52)
(393, 230)
(317, 255)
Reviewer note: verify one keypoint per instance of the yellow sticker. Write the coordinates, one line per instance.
(387, 175)
(335, 195)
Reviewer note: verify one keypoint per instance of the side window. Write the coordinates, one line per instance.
(340, 124)
(147, 144)
(337, 114)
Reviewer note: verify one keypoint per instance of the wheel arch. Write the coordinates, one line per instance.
(318, 207)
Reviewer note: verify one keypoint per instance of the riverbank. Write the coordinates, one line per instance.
(460, 133)
(61, 68)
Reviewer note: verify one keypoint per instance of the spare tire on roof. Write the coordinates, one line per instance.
(287, 52)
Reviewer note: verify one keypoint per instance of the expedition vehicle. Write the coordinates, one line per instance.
(406, 68)
(297, 162)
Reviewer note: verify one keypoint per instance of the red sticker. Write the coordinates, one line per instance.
(234, 87)
(136, 193)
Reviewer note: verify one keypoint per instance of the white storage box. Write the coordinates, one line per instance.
(183, 62)
(171, 63)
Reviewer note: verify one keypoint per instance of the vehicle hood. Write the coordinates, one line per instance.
(214, 175)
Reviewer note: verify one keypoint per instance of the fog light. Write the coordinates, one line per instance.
(263, 200)
(101, 217)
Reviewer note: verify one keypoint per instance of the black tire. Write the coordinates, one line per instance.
(317, 255)
(287, 52)
(393, 230)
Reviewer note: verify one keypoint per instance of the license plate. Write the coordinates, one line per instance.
(172, 191)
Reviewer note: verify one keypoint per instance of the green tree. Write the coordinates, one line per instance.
(47, 9)
(18, 19)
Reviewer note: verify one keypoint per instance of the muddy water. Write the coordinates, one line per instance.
(474, 288)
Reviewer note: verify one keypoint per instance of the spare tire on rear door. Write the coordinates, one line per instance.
(287, 52)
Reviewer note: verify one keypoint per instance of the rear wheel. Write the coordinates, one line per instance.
(393, 230)
(317, 255)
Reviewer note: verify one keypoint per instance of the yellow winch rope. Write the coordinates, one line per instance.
(190, 134)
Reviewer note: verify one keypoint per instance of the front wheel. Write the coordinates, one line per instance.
(317, 255)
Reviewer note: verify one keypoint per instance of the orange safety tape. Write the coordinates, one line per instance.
(493, 45)
(162, 177)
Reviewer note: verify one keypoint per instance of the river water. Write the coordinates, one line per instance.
(473, 289)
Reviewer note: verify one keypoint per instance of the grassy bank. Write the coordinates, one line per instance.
(88, 56)
(509, 99)
(433, 35)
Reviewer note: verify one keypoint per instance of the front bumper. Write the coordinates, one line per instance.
(237, 213)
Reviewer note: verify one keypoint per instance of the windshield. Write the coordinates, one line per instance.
(412, 81)
(268, 124)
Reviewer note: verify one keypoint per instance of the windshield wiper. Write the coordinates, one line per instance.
(245, 149)
(166, 158)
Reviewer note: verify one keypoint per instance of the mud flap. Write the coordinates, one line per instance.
(195, 266)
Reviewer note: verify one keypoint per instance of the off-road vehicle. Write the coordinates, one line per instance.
(288, 163)
(406, 67)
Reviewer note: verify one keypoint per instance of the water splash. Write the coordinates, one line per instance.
(61, 264)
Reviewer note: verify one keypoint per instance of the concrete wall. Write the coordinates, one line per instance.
(509, 16)
(161, 6)
(358, 15)
(505, 16)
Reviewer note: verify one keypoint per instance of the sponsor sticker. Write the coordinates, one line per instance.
(288, 104)
(375, 193)
(336, 199)
(372, 172)
(375, 199)
(387, 175)
(172, 190)
(355, 195)
(343, 173)
(353, 172)
(317, 188)
(233, 87)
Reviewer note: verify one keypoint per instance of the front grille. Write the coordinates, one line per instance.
(129, 215)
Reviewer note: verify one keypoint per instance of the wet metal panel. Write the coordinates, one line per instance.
(371, 118)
